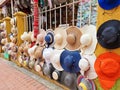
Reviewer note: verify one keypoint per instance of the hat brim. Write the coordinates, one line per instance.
(107, 6)
(56, 64)
(61, 31)
(91, 29)
(77, 32)
(91, 83)
(76, 57)
(114, 23)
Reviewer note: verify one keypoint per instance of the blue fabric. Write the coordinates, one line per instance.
(69, 61)
(108, 4)
(49, 38)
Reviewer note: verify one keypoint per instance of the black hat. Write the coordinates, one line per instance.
(108, 34)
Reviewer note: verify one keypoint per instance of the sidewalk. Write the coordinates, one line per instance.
(13, 77)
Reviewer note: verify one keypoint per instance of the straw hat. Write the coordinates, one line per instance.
(13, 21)
(60, 37)
(104, 36)
(69, 80)
(88, 39)
(41, 37)
(85, 84)
(107, 67)
(38, 52)
(23, 36)
(108, 4)
(49, 38)
(69, 61)
(86, 65)
(73, 36)
(55, 59)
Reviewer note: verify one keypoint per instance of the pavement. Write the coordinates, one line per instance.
(13, 77)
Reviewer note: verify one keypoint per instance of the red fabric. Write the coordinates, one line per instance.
(36, 1)
(32, 44)
(36, 32)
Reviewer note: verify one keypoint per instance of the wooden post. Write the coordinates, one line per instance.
(20, 25)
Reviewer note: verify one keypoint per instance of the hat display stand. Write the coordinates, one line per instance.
(108, 12)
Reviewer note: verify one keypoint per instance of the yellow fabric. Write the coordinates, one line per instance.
(103, 16)
(83, 86)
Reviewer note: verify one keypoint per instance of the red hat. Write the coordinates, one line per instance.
(107, 66)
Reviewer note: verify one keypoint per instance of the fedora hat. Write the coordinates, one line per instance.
(107, 67)
(69, 61)
(55, 59)
(56, 75)
(86, 65)
(41, 37)
(47, 53)
(73, 38)
(108, 4)
(49, 38)
(60, 37)
(69, 80)
(104, 36)
(48, 69)
(88, 39)
(85, 84)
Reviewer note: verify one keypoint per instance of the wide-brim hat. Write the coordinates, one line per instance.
(85, 84)
(104, 36)
(55, 59)
(108, 4)
(88, 39)
(86, 65)
(38, 52)
(41, 37)
(69, 61)
(47, 53)
(73, 38)
(49, 38)
(69, 80)
(60, 37)
(107, 67)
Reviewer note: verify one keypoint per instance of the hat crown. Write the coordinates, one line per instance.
(110, 1)
(69, 61)
(48, 38)
(86, 39)
(109, 67)
(109, 35)
(71, 39)
(58, 38)
(84, 64)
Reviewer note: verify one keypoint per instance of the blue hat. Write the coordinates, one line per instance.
(108, 34)
(69, 61)
(49, 38)
(108, 4)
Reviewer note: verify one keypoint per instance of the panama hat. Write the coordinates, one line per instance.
(69, 61)
(108, 4)
(73, 38)
(107, 67)
(48, 69)
(47, 53)
(88, 39)
(85, 84)
(60, 37)
(56, 75)
(49, 38)
(86, 65)
(41, 37)
(104, 36)
(55, 59)
(69, 80)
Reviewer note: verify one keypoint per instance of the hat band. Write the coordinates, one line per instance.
(83, 86)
